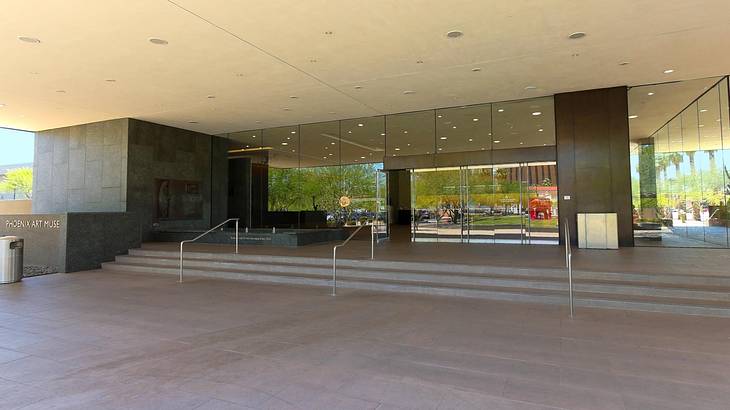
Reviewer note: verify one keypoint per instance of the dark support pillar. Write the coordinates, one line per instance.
(592, 133)
(399, 196)
(239, 190)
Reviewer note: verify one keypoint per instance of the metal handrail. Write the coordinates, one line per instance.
(334, 254)
(202, 235)
(569, 265)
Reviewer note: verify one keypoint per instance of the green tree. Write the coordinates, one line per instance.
(19, 180)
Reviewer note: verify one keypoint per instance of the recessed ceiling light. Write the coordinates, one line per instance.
(631, 117)
(454, 34)
(192, 122)
(211, 97)
(329, 33)
(702, 125)
(382, 134)
(405, 132)
(157, 41)
(32, 40)
(409, 92)
(476, 69)
(397, 149)
(332, 112)
(293, 132)
(419, 61)
(360, 124)
(703, 110)
(500, 110)
(284, 143)
(357, 87)
(293, 97)
(439, 116)
(497, 141)
(253, 136)
(286, 109)
(2, 105)
(471, 139)
(668, 71)
(522, 143)
(442, 138)
(362, 157)
(530, 88)
(536, 113)
(440, 149)
(576, 35)
(650, 93)
(475, 119)
(333, 143)
(540, 130)
(623, 63)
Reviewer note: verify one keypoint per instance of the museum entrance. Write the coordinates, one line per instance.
(502, 203)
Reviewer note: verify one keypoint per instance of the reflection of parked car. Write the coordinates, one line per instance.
(423, 215)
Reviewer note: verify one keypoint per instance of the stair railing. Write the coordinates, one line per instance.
(202, 235)
(569, 265)
(334, 253)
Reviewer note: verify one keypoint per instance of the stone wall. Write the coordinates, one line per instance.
(81, 168)
(161, 152)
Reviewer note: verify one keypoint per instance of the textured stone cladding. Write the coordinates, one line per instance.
(162, 152)
(81, 168)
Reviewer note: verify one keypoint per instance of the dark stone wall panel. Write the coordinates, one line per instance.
(593, 157)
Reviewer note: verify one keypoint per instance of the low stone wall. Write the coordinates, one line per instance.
(15, 207)
(71, 242)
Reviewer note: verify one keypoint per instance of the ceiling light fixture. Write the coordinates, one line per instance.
(442, 138)
(476, 69)
(703, 110)
(650, 93)
(397, 149)
(284, 143)
(293, 132)
(360, 125)
(211, 97)
(406, 92)
(31, 40)
(576, 35)
(192, 122)
(293, 97)
(500, 110)
(536, 113)
(454, 34)
(497, 141)
(631, 117)
(475, 119)
(382, 134)
(530, 88)
(540, 130)
(669, 71)
(157, 41)
(357, 87)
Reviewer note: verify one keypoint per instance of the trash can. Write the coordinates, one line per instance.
(11, 259)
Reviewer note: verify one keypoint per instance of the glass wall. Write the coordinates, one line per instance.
(680, 179)
(502, 203)
(329, 173)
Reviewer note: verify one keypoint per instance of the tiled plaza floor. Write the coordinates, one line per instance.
(97, 340)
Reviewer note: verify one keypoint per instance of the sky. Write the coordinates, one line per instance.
(16, 147)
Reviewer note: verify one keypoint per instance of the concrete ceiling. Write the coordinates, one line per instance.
(252, 56)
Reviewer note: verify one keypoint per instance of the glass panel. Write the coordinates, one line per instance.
(321, 174)
(425, 200)
(464, 129)
(361, 150)
(508, 204)
(410, 134)
(284, 189)
(708, 164)
(542, 203)
(246, 139)
(693, 205)
(480, 204)
(723, 216)
(525, 123)
(448, 185)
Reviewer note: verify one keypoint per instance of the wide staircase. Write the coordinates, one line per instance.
(692, 294)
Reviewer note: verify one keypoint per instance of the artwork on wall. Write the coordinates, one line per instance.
(177, 199)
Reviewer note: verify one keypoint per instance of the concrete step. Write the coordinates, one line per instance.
(536, 281)
(509, 284)
(462, 269)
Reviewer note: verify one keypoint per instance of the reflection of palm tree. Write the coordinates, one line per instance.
(691, 155)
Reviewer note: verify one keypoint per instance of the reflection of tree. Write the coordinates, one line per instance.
(320, 188)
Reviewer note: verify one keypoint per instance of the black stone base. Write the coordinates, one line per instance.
(282, 237)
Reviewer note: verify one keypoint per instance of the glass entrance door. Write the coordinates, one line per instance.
(505, 203)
